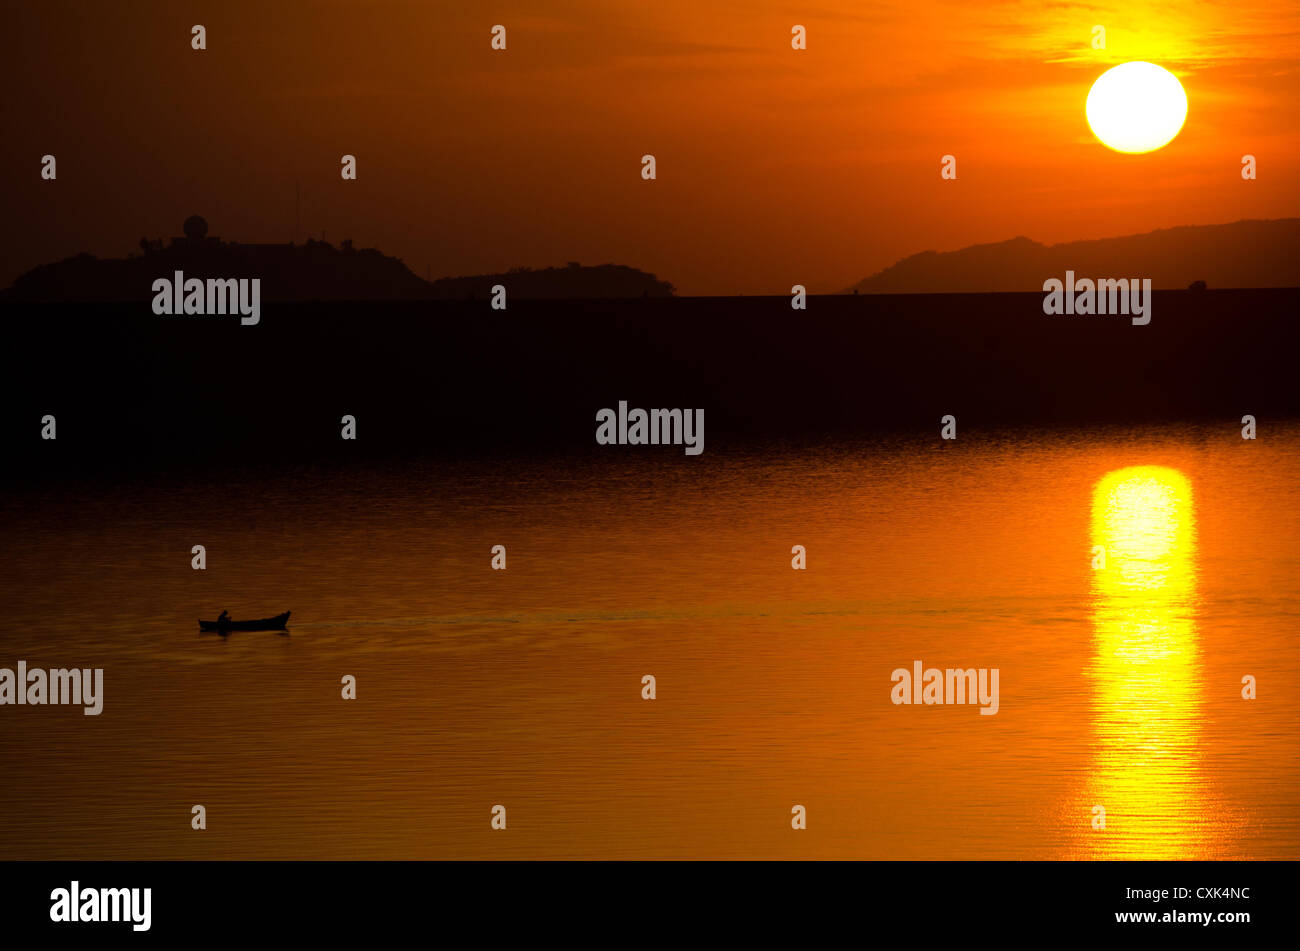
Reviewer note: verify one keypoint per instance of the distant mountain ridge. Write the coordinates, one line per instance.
(314, 271)
(1251, 253)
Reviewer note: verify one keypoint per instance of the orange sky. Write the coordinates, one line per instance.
(775, 167)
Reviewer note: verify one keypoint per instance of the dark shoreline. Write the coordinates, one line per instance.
(136, 392)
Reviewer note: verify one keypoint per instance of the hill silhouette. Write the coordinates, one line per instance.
(557, 283)
(1238, 255)
(313, 271)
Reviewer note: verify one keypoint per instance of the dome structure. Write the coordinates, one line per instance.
(195, 228)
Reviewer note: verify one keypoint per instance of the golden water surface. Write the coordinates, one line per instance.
(1120, 684)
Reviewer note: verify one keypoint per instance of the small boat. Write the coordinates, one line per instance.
(278, 623)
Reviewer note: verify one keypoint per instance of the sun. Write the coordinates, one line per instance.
(1136, 107)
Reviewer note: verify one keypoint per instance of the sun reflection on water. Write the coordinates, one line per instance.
(1145, 669)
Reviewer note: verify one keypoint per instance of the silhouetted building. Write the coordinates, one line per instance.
(195, 230)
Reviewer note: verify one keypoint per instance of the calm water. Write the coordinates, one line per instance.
(1119, 687)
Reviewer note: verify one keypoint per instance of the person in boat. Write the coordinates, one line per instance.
(223, 617)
